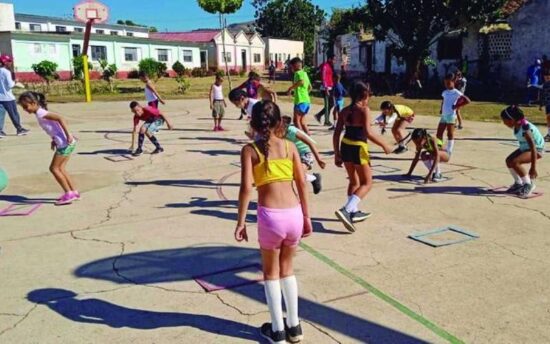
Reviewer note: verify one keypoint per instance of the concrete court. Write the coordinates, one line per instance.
(118, 266)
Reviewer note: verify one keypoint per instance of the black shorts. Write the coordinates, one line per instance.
(355, 152)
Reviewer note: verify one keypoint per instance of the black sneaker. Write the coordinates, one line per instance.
(400, 150)
(273, 337)
(346, 219)
(318, 117)
(294, 334)
(158, 150)
(514, 189)
(547, 138)
(22, 132)
(317, 185)
(138, 152)
(359, 216)
(328, 124)
(3, 134)
(437, 177)
(241, 117)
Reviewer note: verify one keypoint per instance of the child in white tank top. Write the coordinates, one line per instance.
(217, 103)
(151, 95)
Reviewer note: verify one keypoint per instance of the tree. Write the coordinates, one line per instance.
(152, 68)
(178, 68)
(222, 8)
(78, 67)
(413, 26)
(47, 70)
(346, 20)
(108, 73)
(153, 29)
(293, 19)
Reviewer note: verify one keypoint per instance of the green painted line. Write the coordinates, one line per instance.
(382, 296)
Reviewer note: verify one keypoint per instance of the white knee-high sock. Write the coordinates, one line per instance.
(310, 178)
(290, 293)
(517, 179)
(353, 202)
(274, 303)
(450, 146)
(526, 179)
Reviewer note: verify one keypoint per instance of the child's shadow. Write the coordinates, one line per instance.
(95, 311)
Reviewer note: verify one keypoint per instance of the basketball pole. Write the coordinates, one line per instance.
(87, 86)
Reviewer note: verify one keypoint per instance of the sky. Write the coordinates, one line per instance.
(166, 15)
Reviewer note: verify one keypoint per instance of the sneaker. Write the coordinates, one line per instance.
(437, 177)
(359, 216)
(75, 195)
(332, 127)
(400, 150)
(272, 337)
(514, 189)
(215, 128)
(346, 219)
(294, 334)
(317, 186)
(22, 132)
(328, 124)
(3, 134)
(318, 117)
(527, 190)
(66, 199)
(546, 138)
(220, 128)
(158, 150)
(460, 127)
(138, 152)
(242, 116)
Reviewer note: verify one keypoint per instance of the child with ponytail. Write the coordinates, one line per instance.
(531, 148)
(62, 142)
(273, 165)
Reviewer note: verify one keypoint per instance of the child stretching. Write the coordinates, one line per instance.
(545, 101)
(400, 116)
(254, 88)
(154, 120)
(531, 148)
(308, 152)
(430, 151)
(240, 99)
(353, 152)
(62, 142)
(217, 103)
(453, 100)
(339, 93)
(273, 164)
(152, 97)
(301, 88)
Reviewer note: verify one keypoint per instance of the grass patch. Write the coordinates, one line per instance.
(167, 87)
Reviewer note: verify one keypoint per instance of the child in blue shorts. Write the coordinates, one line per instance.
(339, 94)
(301, 88)
(453, 100)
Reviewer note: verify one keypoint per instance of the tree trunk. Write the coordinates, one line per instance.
(222, 25)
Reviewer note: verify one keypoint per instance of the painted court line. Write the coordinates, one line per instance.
(382, 296)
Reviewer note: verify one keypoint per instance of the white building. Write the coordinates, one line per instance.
(279, 50)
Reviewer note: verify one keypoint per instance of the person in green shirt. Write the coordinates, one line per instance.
(301, 88)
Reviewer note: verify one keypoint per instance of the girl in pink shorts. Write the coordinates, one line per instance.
(273, 165)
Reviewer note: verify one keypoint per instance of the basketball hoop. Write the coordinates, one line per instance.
(91, 10)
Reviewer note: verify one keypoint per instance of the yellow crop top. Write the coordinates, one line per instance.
(278, 170)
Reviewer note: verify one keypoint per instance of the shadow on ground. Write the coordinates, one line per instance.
(176, 265)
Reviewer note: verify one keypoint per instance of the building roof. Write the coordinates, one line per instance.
(512, 6)
(32, 18)
(198, 36)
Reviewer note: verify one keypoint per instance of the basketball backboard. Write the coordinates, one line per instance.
(91, 10)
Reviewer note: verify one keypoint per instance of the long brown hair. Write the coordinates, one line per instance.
(266, 119)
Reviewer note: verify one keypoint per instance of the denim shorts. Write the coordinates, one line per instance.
(303, 108)
(448, 119)
(154, 126)
(340, 104)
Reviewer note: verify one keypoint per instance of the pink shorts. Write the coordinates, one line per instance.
(280, 227)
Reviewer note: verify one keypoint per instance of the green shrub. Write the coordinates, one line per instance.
(47, 70)
(178, 68)
(183, 84)
(152, 68)
(108, 73)
(78, 68)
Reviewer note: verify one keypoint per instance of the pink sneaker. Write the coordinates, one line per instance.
(66, 199)
(76, 195)
(215, 129)
(220, 128)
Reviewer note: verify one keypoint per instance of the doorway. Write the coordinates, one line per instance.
(204, 59)
(244, 59)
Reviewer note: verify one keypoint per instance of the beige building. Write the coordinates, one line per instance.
(280, 50)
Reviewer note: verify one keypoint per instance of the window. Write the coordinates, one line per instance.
(114, 33)
(17, 25)
(496, 46)
(78, 29)
(188, 56)
(162, 55)
(100, 32)
(130, 54)
(52, 49)
(98, 52)
(37, 48)
(227, 57)
(130, 34)
(60, 29)
(76, 50)
(449, 48)
(35, 27)
(257, 58)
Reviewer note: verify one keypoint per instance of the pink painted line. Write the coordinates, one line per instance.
(9, 210)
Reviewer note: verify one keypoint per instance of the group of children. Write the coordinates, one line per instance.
(281, 154)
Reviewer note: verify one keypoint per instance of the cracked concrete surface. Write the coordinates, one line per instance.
(118, 266)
